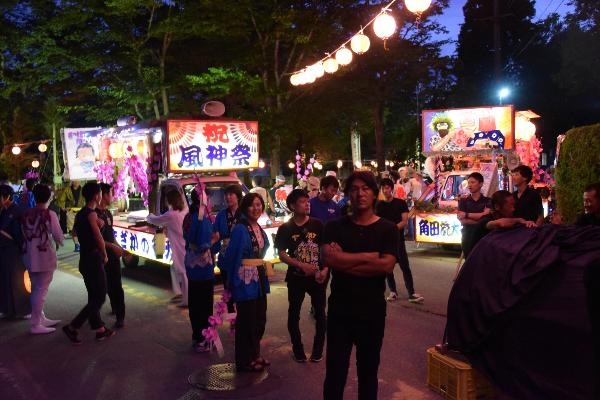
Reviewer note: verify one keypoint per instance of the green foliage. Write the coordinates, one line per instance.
(222, 82)
(578, 166)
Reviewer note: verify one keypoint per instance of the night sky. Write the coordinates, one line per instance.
(453, 16)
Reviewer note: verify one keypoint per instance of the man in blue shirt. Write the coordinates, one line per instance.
(323, 207)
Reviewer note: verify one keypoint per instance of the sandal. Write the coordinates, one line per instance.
(252, 367)
(263, 361)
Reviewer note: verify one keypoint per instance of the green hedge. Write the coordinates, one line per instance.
(578, 166)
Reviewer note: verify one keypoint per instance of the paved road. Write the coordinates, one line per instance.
(151, 359)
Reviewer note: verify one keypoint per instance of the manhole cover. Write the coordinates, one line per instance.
(223, 377)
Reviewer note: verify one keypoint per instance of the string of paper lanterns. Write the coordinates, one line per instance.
(384, 27)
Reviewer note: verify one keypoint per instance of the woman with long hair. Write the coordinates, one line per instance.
(198, 235)
(172, 221)
(41, 233)
(247, 280)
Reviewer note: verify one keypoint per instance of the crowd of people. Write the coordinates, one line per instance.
(355, 244)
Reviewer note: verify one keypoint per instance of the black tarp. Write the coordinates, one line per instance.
(519, 312)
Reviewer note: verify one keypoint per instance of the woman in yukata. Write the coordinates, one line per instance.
(247, 281)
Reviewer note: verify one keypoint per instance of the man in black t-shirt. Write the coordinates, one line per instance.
(298, 241)
(471, 209)
(396, 211)
(360, 250)
(528, 202)
(591, 277)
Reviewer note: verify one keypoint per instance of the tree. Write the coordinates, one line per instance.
(475, 70)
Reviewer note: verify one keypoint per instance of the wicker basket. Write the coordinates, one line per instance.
(456, 380)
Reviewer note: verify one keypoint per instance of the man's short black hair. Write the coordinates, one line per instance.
(367, 177)
(294, 196)
(329, 181)
(593, 187)
(30, 183)
(105, 188)
(89, 190)
(499, 198)
(41, 193)
(525, 172)
(386, 182)
(6, 191)
(235, 189)
(477, 176)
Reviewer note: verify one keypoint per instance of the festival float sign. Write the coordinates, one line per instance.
(161, 156)
(459, 141)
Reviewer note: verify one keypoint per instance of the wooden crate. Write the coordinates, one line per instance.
(456, 380)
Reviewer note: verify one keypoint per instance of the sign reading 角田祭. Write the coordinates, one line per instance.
(463, 130)
(438, 228)
(196, 146)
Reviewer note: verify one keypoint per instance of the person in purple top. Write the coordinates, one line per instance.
(322, 206)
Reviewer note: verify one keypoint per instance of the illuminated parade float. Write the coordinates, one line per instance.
(458, 142)
(150, 159)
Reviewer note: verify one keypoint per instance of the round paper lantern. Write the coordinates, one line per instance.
(308, 76)
(340, 163)
(360, 43)
(35, 163)
(261, 164)
(42, 147)
(295, 80)
(317, 69)
(384, 25)
(291, 165)
(16, 150)
(115, 150)
(330, 65)
(417, 6)
(343, 56)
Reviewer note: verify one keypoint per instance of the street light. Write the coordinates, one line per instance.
(503, 93)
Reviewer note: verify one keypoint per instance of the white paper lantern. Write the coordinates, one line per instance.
(16, 150)
(343, 56)
(35, 163)
(261, 164)
(296, 79)
(330, 65)
(317, 69)
(340, 164)
(384, 25)
(360, 43)
(308, 76)
(417, 6)
(42, 147)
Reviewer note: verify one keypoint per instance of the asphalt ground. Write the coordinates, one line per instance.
(151, 357)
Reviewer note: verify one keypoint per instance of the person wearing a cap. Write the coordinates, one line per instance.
(322, 206)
